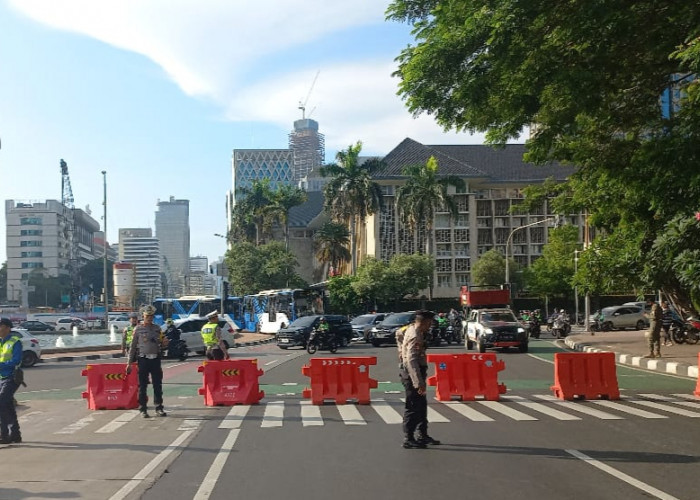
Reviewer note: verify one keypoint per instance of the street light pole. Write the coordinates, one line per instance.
(104, 261)
(576, 252)
(510, 237)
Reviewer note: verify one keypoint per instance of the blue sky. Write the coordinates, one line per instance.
(158, 93)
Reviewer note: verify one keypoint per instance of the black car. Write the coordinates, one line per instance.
(361, 325)
(37, 326)
(297, 334)
(385, 332)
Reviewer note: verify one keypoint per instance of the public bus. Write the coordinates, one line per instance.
(198, 305)
(270, 310)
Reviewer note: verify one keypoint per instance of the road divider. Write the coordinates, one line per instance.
(110, 388)
(585, 375)
(231, 382)
(466, 376)
(340, 379)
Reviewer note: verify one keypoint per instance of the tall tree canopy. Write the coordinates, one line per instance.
(608, 86)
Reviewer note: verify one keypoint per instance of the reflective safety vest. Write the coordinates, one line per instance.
(209, 334)
(7, 348)
(128, 334)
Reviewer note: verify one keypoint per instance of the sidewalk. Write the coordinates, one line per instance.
(243, 339)
(630, 348)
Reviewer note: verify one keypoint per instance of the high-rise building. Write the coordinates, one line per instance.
(138, 247)
(248, 165)
(200, 281)
(308, 147)
(40, 236)
(173, 233)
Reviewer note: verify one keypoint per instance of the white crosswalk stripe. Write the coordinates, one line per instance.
(433, 416)
(539, 407)
(274, 414)
(665, 407)
(388, 414)
(613, 405)
(580, 406)
(506, 410)
(310, 414)
(351, 415)
(235, 417)
(467, 411)
(687, 404)
(115, 424)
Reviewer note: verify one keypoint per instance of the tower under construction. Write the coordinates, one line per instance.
(308, 147)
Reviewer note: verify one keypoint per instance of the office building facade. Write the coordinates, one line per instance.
(139, 247)
(173, 233)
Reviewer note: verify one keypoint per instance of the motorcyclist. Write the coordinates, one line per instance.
(172, 332)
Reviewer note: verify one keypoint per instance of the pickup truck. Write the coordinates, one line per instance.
(495, 328)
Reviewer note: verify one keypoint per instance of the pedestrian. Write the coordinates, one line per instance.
(211, 336)
(654, 333)
(413, 370)
(10, 360)
(146, 346)
(666, 322)
(128, 333)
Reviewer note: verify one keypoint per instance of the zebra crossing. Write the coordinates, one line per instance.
(293, 412)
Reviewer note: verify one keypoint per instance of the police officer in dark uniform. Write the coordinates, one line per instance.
(413, 370)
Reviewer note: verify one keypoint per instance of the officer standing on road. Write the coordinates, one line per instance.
(10, 359)
(146, 346)
(654, 333)
(211, 336)
(128, 333)
(413, 373)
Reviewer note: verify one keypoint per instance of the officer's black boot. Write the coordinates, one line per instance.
(410, 443)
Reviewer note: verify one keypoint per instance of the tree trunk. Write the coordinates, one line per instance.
(353, 247)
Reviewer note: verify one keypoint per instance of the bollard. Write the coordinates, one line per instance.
(75, 331)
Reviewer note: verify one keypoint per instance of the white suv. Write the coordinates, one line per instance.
(31, 351)
(191, 329)
(67, 324)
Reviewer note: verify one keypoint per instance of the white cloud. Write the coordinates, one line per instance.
(218, 49)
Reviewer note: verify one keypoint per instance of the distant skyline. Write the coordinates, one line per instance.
(159, 94)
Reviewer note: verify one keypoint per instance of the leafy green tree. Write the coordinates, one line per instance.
(553, 272)
(409, 274)
(490, 269)
(591, 77)
(92, 277)
(343, 298)
(372, 282)
(3, 282)
(253, 268)
(332, 242)
(351, 195)
(256, 207)
(284, 198)
(48, 290)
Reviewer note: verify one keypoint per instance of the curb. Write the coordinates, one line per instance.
(116, 355)
(659, 365)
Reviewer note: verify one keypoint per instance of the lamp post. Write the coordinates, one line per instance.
(576, 252)
(104, 261)
(510, 237)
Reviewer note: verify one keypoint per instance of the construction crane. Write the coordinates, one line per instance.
(68, 203)
(302, 105)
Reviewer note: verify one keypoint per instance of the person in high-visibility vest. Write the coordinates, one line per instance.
(211, 336)
(128, 333)
(10, 360)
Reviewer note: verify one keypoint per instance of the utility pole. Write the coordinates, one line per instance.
(104, 262)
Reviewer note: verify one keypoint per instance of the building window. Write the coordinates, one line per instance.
(32, 265)
(443, 250)
(387, 190)
(30, 232)
(25, 276)
(502, 207)
(461, 249)
(485, 237)
(442, 220)
(30, 243)
(444, 281)
(462, 265)
(32, 254)
(536, 235)
(462, 220)
(483, 208)
(462, 279)
(462, 203)
(30, 221)
(462, 235)
(443, 265)
(442, 236)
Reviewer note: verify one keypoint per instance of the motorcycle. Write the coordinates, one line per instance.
(177, 349)
(561, 327)
(322, 340)
(534, 328)
(688, 332)
(451, 334)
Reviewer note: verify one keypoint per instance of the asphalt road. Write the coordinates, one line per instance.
(644, 446)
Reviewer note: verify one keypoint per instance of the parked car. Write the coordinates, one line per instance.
(191, 329)
(37, 326)
(385, 332)
(361, 325)
(119, 322)
(67, 324)
(297, 334)
(621, 317)
(31, 351)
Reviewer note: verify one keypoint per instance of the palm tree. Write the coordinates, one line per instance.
(284, 198)
(421, 196)
(332, 244)
(351, 195)
(255, 206)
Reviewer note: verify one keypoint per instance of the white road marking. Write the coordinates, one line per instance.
(274, 414)
(351, 415)
(688, 404)
(467, 411)
(667, 408)
(622, 476)
(386, 412)
(559, 415)
(118, 422)
(580, 406)
(687, 396)
(235, 417)
(290, 383)
(310, 414)
(613, 405)
(207, 487)
(27, 417)
(272, 362)
(434, 417)
(150, 467)
(190, 424)
(80, 424)
(507, 410)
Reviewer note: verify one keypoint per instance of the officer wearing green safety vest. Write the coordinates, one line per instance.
(10, 359)
(128, 333)
(211, 336)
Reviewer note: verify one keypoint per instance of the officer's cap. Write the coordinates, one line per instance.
(133, 315)
(148, 311)
(212, 314)
(425, 314)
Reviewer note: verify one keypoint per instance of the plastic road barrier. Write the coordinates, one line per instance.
(339, 379)
(466, 376)
(110, 388)
(585, 375)
(697, 387)
(231, 382)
